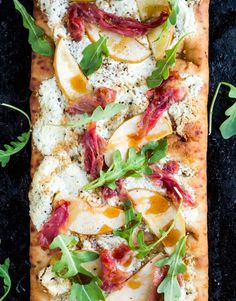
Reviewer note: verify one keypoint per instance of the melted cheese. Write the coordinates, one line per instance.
(54, 175)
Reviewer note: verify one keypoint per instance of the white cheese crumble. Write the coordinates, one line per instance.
(54, 10)
(185, 21)
(49, 138)
(186, 111)
(53, 176)
(55, 285)
(141, 183)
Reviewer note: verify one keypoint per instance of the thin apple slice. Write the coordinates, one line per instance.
(149, 9)
(158, 42)
(70, 78)
(159, 214)
(122, 49)
(139, 286)
(88, 220)
(122, 138)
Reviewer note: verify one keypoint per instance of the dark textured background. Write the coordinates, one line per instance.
(14, 179)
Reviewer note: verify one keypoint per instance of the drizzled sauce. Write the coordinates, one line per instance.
(123, 43)
(112, 212)
(158, 204)
(135, 140)
(173, 237)
(79, 84)
(134, 282)
(105, 229)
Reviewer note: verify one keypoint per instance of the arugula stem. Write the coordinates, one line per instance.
(213, 104)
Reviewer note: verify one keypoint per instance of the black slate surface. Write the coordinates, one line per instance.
(15, 56)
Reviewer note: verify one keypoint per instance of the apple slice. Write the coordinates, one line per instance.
(122, 137)
(139, 286)
(88, 220)
(122, 49)
(159, 43)
(70, 78)
(159, 214)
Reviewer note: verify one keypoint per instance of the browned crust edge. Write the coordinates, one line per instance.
(194, 146)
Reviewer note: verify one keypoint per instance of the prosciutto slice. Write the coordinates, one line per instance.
(120, 191)
(163, 179)
(160, 99)
(89, 102)
(54, 224)
(89, 12)
(112, 277)
(94, 146)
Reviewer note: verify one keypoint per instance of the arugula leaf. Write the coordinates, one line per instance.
(70, 262)
(98, 114)
(170, 286)
(4, 273)
(163, 66)
(228, 127)
(159, 148)
(36, 38)
(14, 146)
(132, 222)
(172, 18)
(87, 292)
(93, 56)
(137, 162)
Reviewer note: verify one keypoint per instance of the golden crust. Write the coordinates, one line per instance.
(191, 148)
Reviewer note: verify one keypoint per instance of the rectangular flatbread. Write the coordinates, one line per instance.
(165, 199)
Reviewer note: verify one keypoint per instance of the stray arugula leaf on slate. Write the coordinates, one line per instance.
(170, 286)
(93, 56)
(4, 273)
(132, 222)
(228, 127)
(172, 18)
(36, 38)
(14, 146)
(98, 114)
(163, 66)
(87, 292)
(70, 262)
(136, 163)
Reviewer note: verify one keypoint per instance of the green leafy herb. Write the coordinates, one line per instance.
(70, 262)
(136, 163)
(36, 38)
(228, 127)
(172, 18)
(170, 286)
(93, 56)
(98, 114)
(163, 66)
(87, 292)
(14, 146)
(132, 222)
(4, 273)
(159, 149)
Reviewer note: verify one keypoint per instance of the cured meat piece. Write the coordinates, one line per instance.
(162, 178)
(89, 102)
(160, 99)
(94, 146)
(120, 191)
(158, 277)
(54, 224)
(90, 13)
(171, 167)
(112, 277)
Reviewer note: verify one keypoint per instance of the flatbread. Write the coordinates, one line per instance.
(188, 148)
